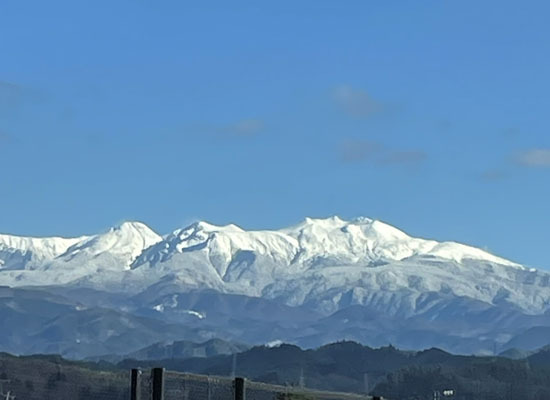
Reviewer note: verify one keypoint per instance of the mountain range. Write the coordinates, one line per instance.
(319, 281)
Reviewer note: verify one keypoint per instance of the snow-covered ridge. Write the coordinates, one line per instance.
(328, 263)
(344, 273)
(356, 241)
(126, 241)
(16, 250)
(313, 241)
(50, 247)
(123, 243)
(379, 241)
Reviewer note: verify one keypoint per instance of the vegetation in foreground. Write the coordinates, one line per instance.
(50, 377)
(344, 366)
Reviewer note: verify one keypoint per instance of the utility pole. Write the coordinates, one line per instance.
(301, 383)
(9, 396)
(5, 396)
(234, 367)
(366, 382)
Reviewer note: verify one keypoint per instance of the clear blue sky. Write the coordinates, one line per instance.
(430, 115)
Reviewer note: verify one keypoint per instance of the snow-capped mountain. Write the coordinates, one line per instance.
(44, 261)
(121, 244)
(334, 263)
(328, 262)
(313, 242)
(18, 252)
(312, 277)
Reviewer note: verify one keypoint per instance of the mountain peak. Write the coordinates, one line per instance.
(127, 232)
(130, 225)
(334, 219)
(337, 261)
(120, 244)
(204, 227)
(19, 252)
(327, 221)
(207, 226)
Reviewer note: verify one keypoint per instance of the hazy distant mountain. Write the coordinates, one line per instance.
(515, 354)
(38, 322)
(319, 281)
(187, 349)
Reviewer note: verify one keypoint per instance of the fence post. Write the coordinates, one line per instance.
(135, 384)
(240, 389)
(157, 376)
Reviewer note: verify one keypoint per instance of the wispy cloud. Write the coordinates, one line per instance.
(493, 175)
(356, 102)
(535, 158)
(444, 125)
(511, 132)
(5, 140)
(405, 157)
(10, 94)
(13, 96)
(532, 158)
(247, 127)
(351, 151)
(356, 151)
(244, 128)
(4, 137)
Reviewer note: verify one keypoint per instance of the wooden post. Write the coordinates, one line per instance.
(135, 384)
(157, 376)
(240, 389)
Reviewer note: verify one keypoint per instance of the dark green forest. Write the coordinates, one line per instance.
(344, 366)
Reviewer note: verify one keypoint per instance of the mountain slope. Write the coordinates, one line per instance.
(318, 281)
(35, 321)
(123, 243)
(327, 263)
(333, 263)
(18, 252)
(32, 261)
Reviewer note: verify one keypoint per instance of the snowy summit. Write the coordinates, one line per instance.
(328, 263)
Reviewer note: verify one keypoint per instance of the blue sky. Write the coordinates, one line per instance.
(429, 115)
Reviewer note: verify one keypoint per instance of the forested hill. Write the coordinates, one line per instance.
(344, 366)
(387, 371)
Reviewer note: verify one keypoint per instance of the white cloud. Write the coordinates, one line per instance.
(247, 127)
(535, 158)
(358, 150)
(405, 157)
(356, 102)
